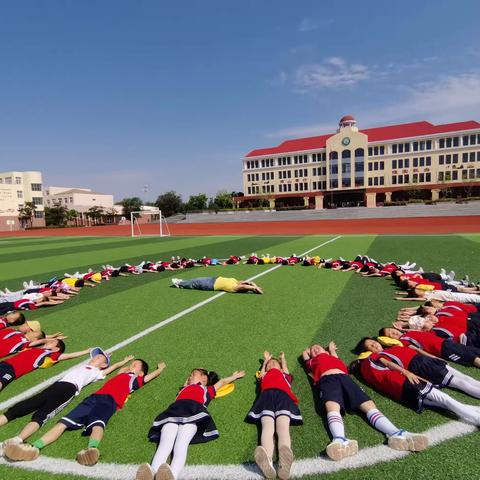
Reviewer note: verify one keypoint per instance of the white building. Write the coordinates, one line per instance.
(79, 199)
(16, 188)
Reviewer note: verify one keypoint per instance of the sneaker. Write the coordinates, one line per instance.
(88, 457)
(25, 285)
(176, 282)
(264, 463)
(443, 272)
(451, 275)
(23, 452)
(340, 449)
(421, 270)
(407, 441)
(144, 472)
(285, 460)
(164, 472)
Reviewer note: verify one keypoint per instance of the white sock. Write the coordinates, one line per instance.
(379, 421)
(165, 447)
(335, 425)
(464, 383)
(184, 437)
(438, 399)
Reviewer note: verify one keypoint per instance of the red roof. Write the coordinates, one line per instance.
(391, 132)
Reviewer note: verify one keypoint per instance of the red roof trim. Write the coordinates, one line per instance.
(390, 132)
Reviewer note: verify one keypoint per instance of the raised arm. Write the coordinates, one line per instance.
(283, 362)
(332, 349)
(156, 373)
(68, 356)
(116, 365)
(266, 357)
(224, 381)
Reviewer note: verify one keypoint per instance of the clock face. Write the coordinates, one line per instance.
(346, 141)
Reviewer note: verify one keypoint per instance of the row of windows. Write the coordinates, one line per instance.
(400, 179)
(319, 185)
(400, 147)
(59, 200)
(282, 161)
(301, 173)
(422, 161)
(455, 141)
(421, 177)
(375, 181)
(285, 188)
(35, 187)
(319, 171)
(467, 174)
(285, 174)
(301, 187)
(319, 157)
(471, 139)
(378, 150)
(300, 159)
(267, 162)
(453, 158)
(374, 166)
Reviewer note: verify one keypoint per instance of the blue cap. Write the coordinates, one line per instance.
(98, 351)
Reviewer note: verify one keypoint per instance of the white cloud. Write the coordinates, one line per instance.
(310, 24)
(279, 80)
(332, 72)
(449, 98)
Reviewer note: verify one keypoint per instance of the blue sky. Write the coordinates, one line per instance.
(116, 94)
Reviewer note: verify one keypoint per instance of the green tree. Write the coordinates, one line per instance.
(55, 216)
(95, 214)
(72, 216)
(223, 200)
(197, 202)
(169, 203)
(132, 204)
(26, 214)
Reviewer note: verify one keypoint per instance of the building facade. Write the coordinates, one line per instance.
(79, 199)
(16, 188)
(365, 167)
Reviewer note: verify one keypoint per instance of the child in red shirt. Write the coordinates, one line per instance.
(275, 409)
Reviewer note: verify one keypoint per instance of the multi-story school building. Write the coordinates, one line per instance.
(16, 188)
(366, 167)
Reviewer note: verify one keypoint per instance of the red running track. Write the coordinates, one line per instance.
(417, 225)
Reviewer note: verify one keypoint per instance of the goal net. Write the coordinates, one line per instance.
(149, 223)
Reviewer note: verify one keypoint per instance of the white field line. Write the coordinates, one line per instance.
(37, 388)
(248, 471)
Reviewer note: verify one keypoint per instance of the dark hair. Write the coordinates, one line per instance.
(360, 346)
(354, 367)
(428, 303)
(20, 320)
(404, 285)
(80, 283)
(42, 334)
(411, 293)
(144, 365)
(381, 332)
(212, 377)
(60, 346)
(115, 273)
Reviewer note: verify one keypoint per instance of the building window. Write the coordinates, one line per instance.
(428, 177)
(375, 181)
(472, 156)
(441, 159)
(415, 178)
(428, 161)
(8, 180)
(382, 165)
(400, 163)
(441, 143)
(464, 174)
(19, 194)
(394, 180)
(18, 180)
(415, 162)
(406, 163)
(406, 178)
(440, 176)
(38, 214)
(394, 164)
(422, 162)
(455, 175)
(37, 200)
(333, 183)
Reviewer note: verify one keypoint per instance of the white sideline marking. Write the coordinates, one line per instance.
(248, 471)
(37, 388)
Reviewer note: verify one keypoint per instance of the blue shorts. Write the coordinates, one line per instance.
(341, 389)
(95, 410)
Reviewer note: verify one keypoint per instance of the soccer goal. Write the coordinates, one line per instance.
(149, 223)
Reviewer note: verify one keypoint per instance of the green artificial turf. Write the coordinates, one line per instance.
(301, 305)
